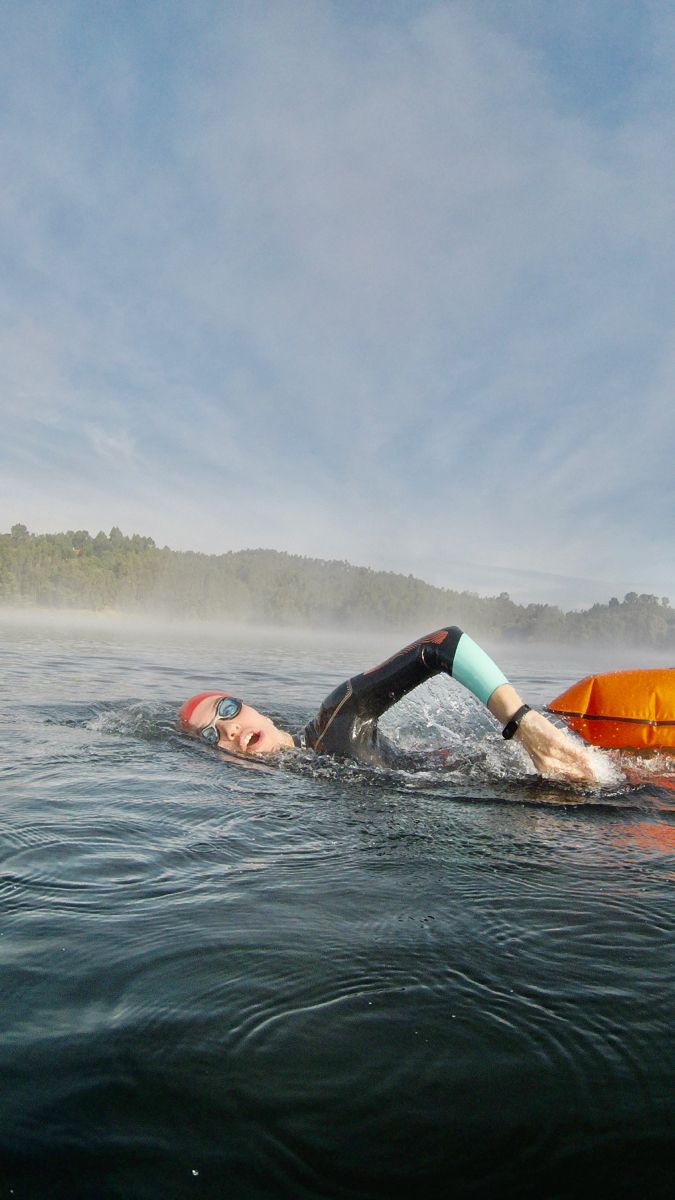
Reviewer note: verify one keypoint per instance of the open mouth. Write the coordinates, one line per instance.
(249, 742)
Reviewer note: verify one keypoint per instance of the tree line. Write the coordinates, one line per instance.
(131, 574)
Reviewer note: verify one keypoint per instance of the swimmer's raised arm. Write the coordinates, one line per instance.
(552, 751)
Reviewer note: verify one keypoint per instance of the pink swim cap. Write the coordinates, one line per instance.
(186, 710)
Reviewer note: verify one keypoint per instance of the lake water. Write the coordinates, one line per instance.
(316, 980)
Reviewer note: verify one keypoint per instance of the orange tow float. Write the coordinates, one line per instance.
(622, 709)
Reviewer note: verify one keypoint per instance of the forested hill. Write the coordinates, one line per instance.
(132, 574)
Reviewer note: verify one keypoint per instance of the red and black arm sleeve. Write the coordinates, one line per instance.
(374, 691)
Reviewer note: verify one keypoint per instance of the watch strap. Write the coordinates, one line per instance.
(511, 726)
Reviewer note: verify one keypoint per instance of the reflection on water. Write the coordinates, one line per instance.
(319, 980)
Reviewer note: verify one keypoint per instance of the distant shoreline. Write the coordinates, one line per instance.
(13, 612)
(72, 577)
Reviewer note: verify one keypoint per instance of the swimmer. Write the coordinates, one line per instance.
(346, 724)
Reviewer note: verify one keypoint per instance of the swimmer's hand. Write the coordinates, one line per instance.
(553, 751)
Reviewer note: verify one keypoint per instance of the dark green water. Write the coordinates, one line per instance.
(318, 981)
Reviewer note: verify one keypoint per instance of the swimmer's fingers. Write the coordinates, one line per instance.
(552, 751)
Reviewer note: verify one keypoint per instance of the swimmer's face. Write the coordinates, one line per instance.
(250, 732)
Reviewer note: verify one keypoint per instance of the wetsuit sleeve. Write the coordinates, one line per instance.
(475, 669)
(447, 650)
(347, 718)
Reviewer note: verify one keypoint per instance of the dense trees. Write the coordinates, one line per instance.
(132, 574)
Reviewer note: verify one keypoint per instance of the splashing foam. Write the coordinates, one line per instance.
(135, 720)
(608, 774)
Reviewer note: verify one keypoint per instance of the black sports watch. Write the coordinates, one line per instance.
(512, 725)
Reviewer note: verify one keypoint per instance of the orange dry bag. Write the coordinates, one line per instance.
(622, 709)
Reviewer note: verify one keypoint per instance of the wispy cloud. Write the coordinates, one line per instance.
(397, 288)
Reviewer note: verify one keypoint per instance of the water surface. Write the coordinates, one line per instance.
(319, 981)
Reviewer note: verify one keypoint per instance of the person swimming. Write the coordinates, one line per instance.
(346, 725)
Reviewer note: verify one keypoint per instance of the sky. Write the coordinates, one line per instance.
(388, 281)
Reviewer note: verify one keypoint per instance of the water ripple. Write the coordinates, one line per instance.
(321, 980)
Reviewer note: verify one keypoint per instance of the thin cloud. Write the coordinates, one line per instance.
(386, 282)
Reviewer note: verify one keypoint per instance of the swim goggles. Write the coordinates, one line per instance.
(226, 710)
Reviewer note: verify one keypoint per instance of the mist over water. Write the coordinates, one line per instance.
(314, 979)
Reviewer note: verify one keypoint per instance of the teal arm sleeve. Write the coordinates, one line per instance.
(475, 669)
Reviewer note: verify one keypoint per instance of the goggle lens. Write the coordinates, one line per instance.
(227, 709)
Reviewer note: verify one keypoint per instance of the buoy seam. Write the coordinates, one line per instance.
(560, 712)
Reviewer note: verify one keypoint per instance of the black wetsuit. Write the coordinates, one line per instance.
(346, 724)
